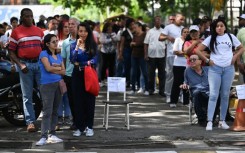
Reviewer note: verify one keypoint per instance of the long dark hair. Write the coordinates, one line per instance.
(46, 40)
(90, 44)
(214, 34)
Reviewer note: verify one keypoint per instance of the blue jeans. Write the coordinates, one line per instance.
(64, 107)
(27, 83)
(138, 62)
(220, 80)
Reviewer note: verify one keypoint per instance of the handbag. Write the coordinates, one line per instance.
(91, 81)
(63, 88)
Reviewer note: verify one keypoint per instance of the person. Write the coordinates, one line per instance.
(84, 54)
(125, 51)
(64, 111)
(178, 69)
(52, 68)
(108, 40)
(171, 19)
(155, 56)
(196, 80)
(65, 53)
(241, 38)
(25, 53)
(137, 58)
(14, 24)
(191, 42)
(52, 26)
(221, 71)
(170, 33)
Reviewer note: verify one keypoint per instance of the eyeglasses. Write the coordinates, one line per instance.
(193, 59)
(54, 42)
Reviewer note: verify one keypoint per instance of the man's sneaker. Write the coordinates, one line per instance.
(131, 92)
(41, 142)
(223, 125)
(77, 133)
(90, 132)
(209, 126)
(146, 93)
(31, 128)
(140, 91)
(54, 139)
(168, 99)
(172, 105)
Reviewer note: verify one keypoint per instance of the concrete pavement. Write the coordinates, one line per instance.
(154, 128)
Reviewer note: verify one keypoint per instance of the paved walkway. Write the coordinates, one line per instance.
(154, 127)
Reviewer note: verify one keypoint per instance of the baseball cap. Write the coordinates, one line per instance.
(194, 27)
(241, 17)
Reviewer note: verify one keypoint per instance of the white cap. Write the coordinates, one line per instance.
(194, 27)
(241, 17)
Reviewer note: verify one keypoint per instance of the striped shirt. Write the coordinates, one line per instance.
(27, 41)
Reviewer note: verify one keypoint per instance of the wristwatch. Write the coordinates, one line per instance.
(207, 61)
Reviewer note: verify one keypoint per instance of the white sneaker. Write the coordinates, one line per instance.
(90, 132)
(146, 93)
(209, 126)
(41, 142)
(172, 105)
(223, 125)
(85, 131)
(141, 91)
(168, 99)
(54, 139)
(77, 133)
(131, 92)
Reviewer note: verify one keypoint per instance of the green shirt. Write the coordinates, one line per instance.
(241, 38)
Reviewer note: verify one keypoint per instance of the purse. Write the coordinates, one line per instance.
(63, 88)
(91, 81)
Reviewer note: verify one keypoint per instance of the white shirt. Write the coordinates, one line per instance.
(223, 51)
(174, 31)
(179, 60)
(156, 48)
(50, 32)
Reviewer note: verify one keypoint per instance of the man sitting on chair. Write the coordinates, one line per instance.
(196, 80)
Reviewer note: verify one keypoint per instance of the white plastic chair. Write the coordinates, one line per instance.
(116, 84)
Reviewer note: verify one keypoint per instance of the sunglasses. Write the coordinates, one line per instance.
(193, 59)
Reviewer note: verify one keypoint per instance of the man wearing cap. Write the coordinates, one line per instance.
(241, 38)
(169, 33)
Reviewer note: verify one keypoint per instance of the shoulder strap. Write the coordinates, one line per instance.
(233, 47)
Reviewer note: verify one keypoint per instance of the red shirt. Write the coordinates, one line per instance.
(187, 44)
(27, 41)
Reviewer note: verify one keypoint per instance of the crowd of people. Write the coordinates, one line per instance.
(199, 59)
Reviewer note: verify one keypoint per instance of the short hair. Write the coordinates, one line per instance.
(75, 19)
(13, 19)
(23, 10)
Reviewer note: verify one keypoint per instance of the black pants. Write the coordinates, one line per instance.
(84, 102)
(153, 64)
(178, 72)
(68, 82)
(108, 61)
(200, 101)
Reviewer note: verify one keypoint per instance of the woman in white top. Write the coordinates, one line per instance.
(221, 71)
(179, 69)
